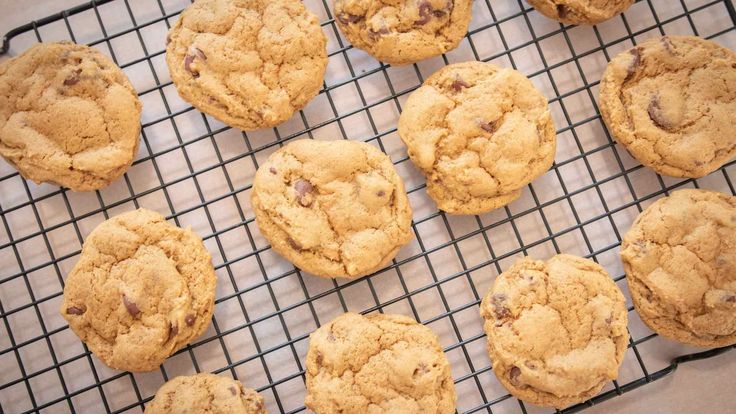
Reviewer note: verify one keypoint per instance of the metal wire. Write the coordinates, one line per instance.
(474, 379)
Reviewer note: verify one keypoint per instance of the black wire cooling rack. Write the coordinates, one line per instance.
(199, 172)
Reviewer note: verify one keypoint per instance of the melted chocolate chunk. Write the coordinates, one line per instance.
(514, 374)
(73, 310)
(347, 18)
(190, 319)
(73, 79)
(131, 307)
(458, 84)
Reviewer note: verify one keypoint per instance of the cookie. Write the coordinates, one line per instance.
(580, 11)
(141, 290)
(68, 116)
(556, 329)
(671, 102)
(680, 262)
(332, 208)
(403, 32)
(205, 393)
(377, 364)
(479, 134)
(249, 64)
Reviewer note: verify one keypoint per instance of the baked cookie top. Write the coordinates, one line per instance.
(671, 101)
(142, 290)
(68, 116)
(680, 262)
(479, 134)
(333, 208)
(580, 11)
(400, 32)
(249, 64)
(205, 393)
(556, 329)
(377, 364)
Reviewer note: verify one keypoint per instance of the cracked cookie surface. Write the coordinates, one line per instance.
(680, 262)
(377, 364)
(556, 329)
(205, 393)
(580, 11)
(141, 290)
(68, 116)
(250, 64)
(332, 208)
(479, 134)
(400, 32)
(671, 101)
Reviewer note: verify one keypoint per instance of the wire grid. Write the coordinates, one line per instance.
(199, 172)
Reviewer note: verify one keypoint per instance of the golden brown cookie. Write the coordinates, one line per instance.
(406, 31)
(680, 262)
(205, 393)
(556, 329)
(671, 101)
(333, 208)
(377, 364)
(68, 116)
(580, 11)
(249, 64)
(479, 134)
(142, 290)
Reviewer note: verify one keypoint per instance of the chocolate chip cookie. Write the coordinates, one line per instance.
(142, 290)
(249, 64)
(556, 329)
(205, 393)
(671, 101)
(580, 11)
(377, 364)
(479, 133)
(333, 208)
(68, 116)
(680, 262)
(403, 32)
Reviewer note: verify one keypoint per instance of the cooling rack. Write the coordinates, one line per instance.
(199, 172)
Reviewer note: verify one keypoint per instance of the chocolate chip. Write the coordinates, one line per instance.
(609, 320)
(730, 299)
(561, 11)
(272, 170)
(634, 65)
(499, 309)
(374, 35)
(173, 331)
(73, 79)
(425, 13)
(190, 319)
(421, 369)
(668, 45)
(131, 307)
(294, 245)
(381, 193)
(458, 84)
(656, 114)
(73, 310)
(168, 38)
(514, 375)
(303, 192)
(319, 358)
(193, 53)
(347, 18)
(489, 127)
(233, 390)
